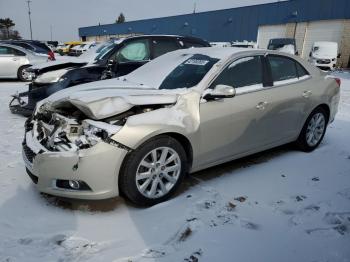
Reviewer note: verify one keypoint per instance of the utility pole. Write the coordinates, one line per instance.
(51, 32)
(194, 7)
(30, 20)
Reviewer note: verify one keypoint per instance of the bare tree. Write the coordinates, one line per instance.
(120, 19)
(6, 24)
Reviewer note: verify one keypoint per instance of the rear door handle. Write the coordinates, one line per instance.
(261, 105)
(307, 94)
(15, 59)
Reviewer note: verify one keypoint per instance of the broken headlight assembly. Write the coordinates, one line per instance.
(94, 132)
(50, 77)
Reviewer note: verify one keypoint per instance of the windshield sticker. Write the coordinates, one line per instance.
(196, 62)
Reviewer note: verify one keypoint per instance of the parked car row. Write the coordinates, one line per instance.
(323, 54)
(243, 44)
(115, 58)
(32, 45)
(63, 49)
(80, 49)
(14, 60)
(133, 116)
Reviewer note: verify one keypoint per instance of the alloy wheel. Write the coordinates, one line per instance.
(158, 172)
(315, 129)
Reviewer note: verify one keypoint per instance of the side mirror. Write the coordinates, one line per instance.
(310, 54)
(339, 55)
(220, 92)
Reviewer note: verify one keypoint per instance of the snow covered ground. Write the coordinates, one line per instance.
(279, 205)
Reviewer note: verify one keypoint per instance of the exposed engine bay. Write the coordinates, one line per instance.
(68, 129)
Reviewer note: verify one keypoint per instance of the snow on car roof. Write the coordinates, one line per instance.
(154, 72)
(215, 52)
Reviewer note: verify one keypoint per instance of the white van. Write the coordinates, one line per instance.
(324, 55)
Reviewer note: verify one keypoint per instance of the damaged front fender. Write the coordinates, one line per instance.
(182, 118)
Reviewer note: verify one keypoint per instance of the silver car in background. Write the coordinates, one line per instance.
(183, 112)
(14, 60)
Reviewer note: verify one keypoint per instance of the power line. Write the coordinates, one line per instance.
(30, 20)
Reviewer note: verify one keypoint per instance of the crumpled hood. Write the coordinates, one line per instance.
(56, 65)
(102, 99)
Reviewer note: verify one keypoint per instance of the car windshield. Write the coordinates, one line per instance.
(174, 71)
(189, 73)
(104, 49)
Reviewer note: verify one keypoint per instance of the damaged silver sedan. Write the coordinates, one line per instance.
(185, 111)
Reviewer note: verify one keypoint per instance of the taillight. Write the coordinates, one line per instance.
(338, 81)
(51, 55)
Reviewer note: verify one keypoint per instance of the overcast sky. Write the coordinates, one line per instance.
(66, 16)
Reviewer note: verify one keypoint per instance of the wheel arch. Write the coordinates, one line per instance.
(324, 107)
(21, 67)
(182, 139)
(186, 144)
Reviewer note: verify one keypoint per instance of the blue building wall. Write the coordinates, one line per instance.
(229, 24)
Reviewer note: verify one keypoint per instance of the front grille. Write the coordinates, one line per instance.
(28, 152)
(323, 61)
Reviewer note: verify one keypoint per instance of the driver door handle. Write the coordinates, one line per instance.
(261, 105)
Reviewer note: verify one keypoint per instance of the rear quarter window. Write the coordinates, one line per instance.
(301, 70)
(282, 68)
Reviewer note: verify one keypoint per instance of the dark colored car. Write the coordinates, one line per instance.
(122, 57)
(33, 45)
(286, 45)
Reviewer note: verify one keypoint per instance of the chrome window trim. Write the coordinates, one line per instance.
(232, 60)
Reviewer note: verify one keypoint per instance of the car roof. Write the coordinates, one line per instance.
(215, 52)
(35, 45)
(190, 38)
(326, 43)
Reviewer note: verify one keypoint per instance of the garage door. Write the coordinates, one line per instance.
(266, 32)
(322, 31)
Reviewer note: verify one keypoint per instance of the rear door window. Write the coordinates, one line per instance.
(4, 50)
(134, 51)
(244, 74)
(163, 46)
(283, 69)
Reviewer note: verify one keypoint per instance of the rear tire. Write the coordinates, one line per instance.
(21, 74)
(313, 130)
(152, 173)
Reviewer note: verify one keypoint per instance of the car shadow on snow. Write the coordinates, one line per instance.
(245, 162)
(190, 181)
(104, 205)
(225, 169)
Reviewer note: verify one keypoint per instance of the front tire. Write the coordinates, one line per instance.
(313, 130)
(152, 173)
